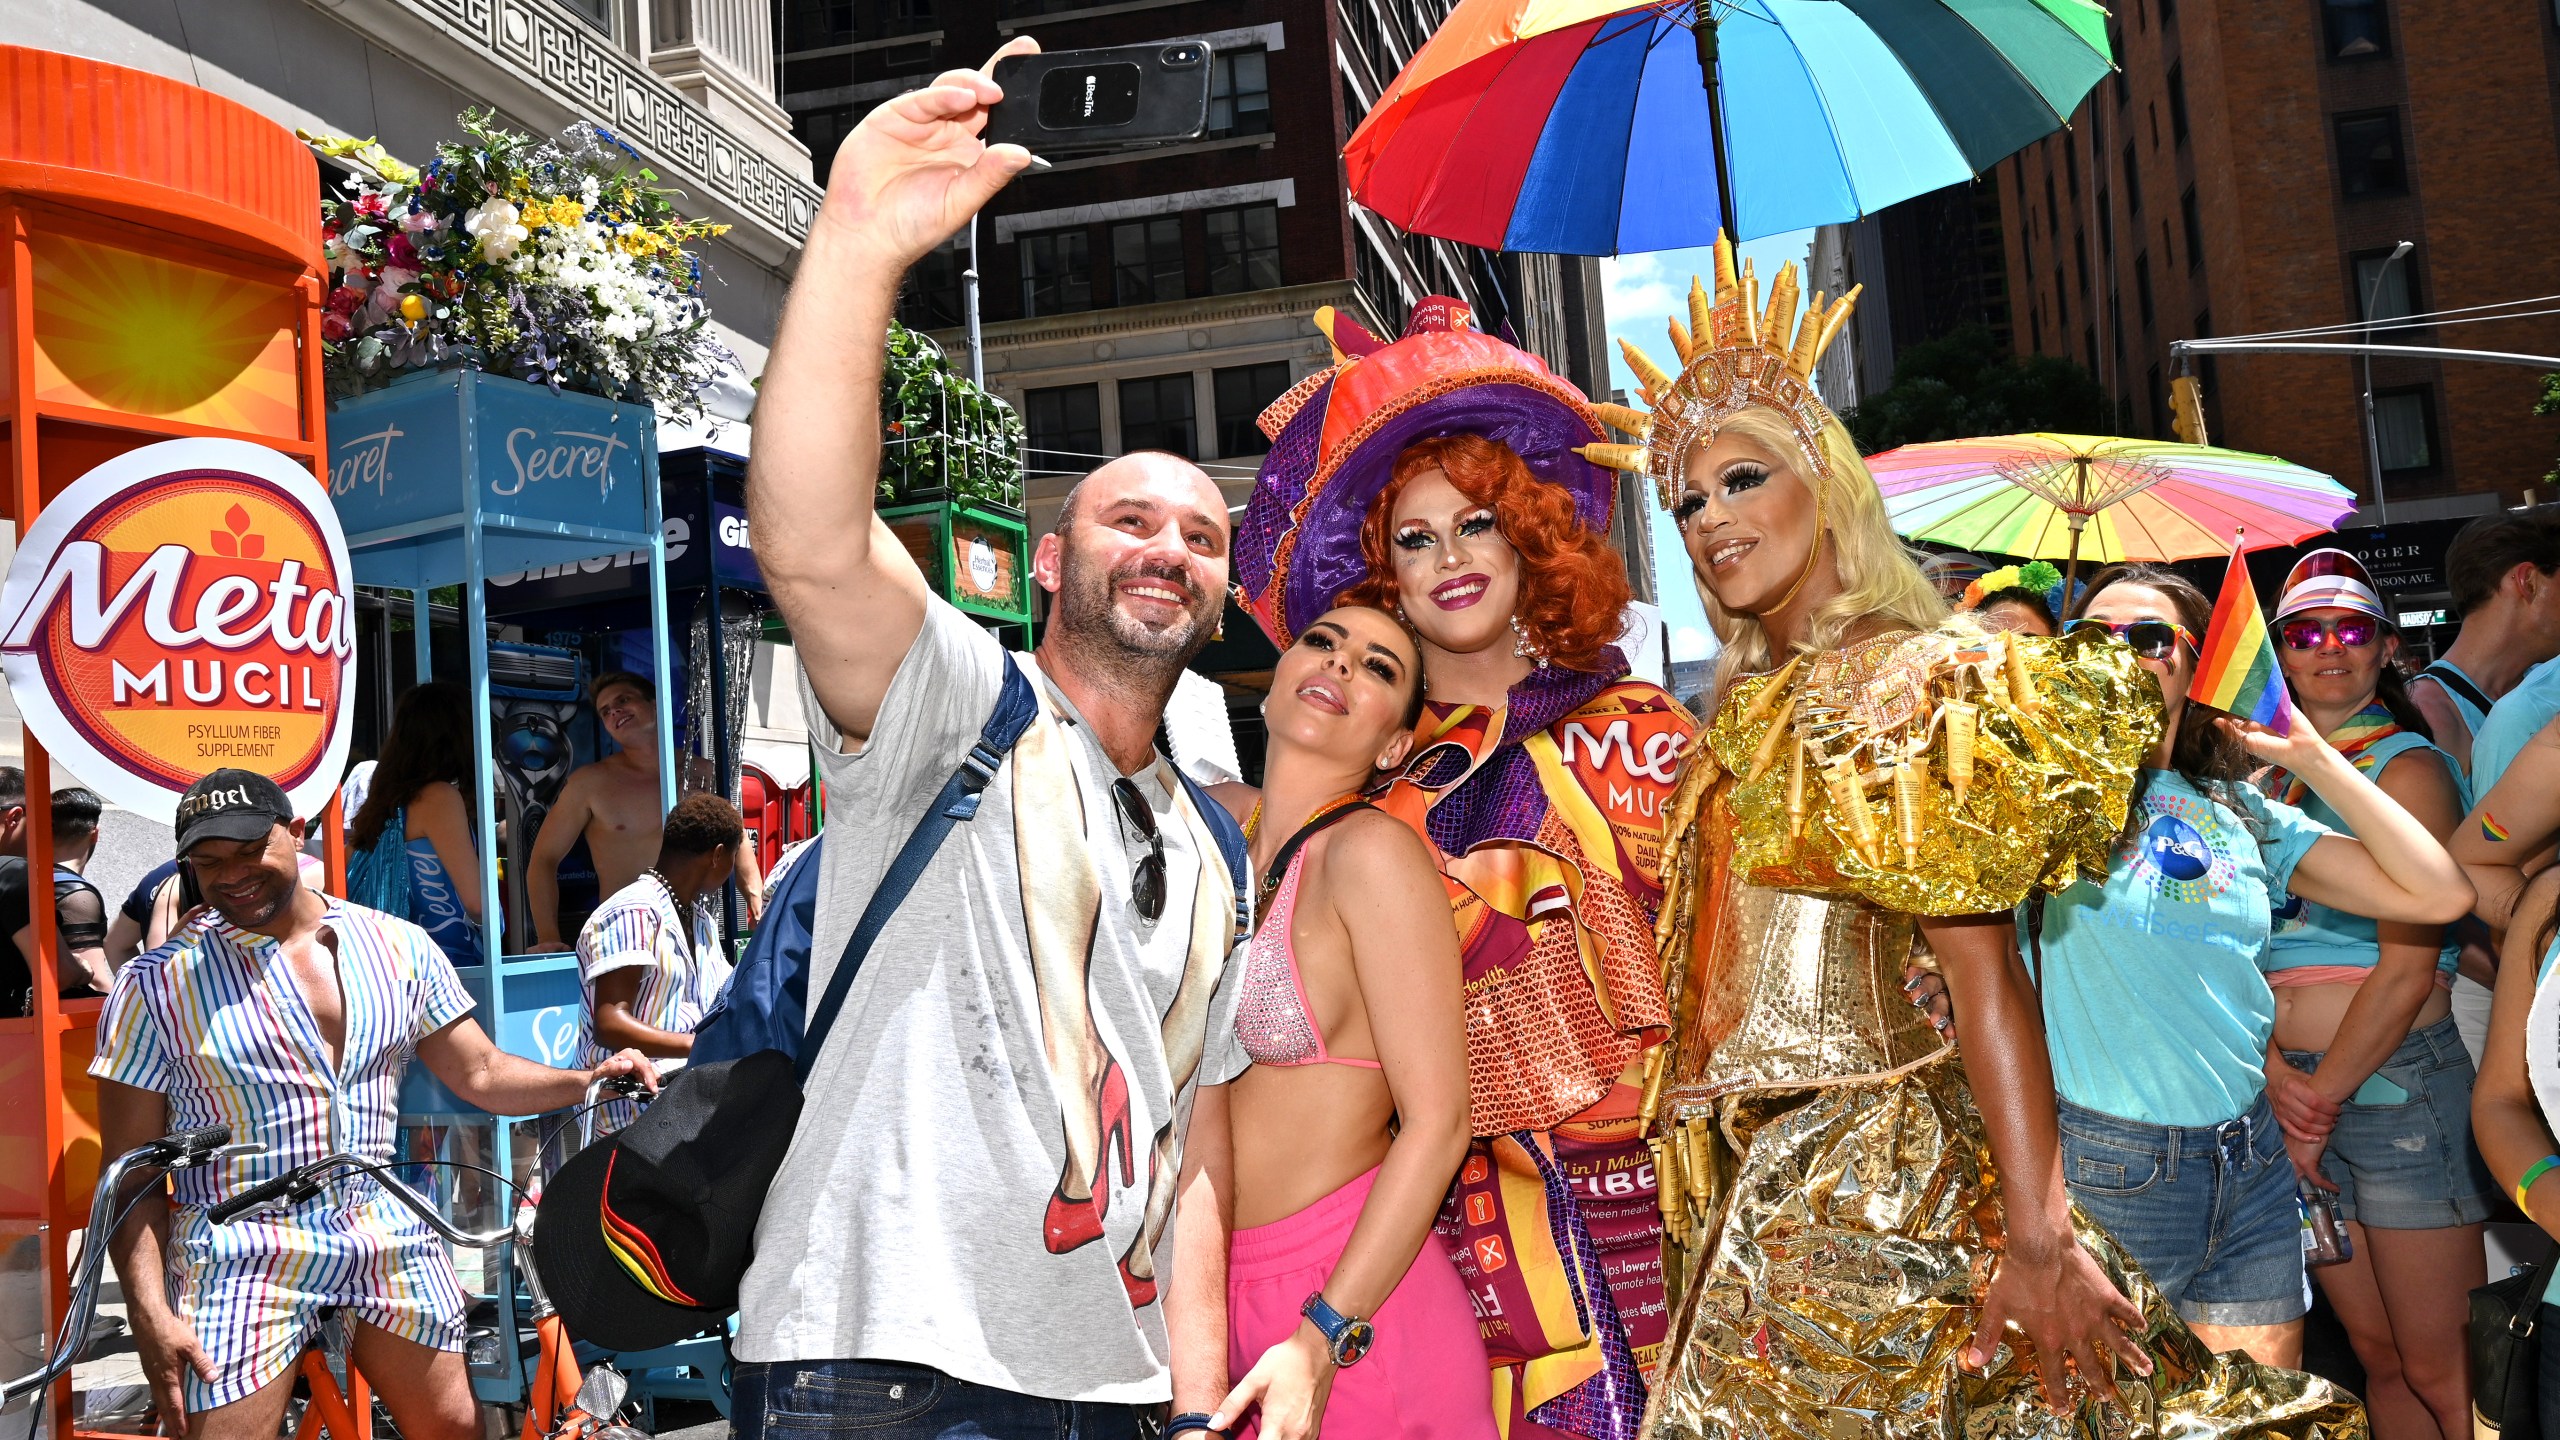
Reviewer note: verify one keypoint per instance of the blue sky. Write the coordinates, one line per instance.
(1643, 291)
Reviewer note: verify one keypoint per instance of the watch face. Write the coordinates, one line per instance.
(1354, 1342)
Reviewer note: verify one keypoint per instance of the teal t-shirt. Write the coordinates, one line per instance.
(2518, 716)
(2308, 933)
(2154, 1003)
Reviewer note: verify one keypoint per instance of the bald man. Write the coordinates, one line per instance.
(946, 1231)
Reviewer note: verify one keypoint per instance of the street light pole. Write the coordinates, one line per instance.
(978, 351)
(2372, 438)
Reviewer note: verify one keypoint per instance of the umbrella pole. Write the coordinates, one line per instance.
(1703, 29)
(2071, 575)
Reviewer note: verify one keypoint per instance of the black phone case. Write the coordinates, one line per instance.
(1089, 101)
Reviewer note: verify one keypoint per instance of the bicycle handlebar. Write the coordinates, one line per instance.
(304, 1181)
(180, 1150)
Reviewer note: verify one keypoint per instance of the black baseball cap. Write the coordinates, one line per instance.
(231, 804)
(643, 1237)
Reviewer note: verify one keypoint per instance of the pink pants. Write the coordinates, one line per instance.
(1428, 1375)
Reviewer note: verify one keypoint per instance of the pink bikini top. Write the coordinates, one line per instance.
(1272, 1015)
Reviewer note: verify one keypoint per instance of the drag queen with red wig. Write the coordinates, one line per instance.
(1438, 477)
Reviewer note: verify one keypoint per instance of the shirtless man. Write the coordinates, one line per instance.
(613, 803)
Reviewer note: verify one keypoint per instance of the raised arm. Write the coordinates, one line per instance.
(2045, 1283)
(1388, 898)
(2510, 829)
(2391, 868)
(908, 176)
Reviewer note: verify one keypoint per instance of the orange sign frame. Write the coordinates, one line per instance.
(160, 278)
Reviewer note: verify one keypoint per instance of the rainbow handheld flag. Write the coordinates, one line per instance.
(2237, 671)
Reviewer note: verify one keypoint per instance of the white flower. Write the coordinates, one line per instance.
(495, 225)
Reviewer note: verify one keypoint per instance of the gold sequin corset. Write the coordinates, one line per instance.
(1790, 987)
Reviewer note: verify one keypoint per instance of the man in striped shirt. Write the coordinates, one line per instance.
(648, 958)
(289, 1015)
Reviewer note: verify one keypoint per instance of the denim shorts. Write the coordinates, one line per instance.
(2410, 1164)
(2207, 1211)
(887, 1400)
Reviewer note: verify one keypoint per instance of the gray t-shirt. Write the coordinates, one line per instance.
(907, 1222)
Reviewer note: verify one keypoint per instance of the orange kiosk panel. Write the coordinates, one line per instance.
(160, 277)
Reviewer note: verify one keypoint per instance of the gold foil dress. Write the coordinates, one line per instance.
(1829, 1201)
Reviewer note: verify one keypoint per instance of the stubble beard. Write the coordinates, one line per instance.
(1104, 638)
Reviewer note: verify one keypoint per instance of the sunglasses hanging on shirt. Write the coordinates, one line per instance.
(1146, 887)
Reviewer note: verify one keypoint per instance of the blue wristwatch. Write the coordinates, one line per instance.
(1345, 1339)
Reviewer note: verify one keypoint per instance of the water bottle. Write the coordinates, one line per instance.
(2324, 1230)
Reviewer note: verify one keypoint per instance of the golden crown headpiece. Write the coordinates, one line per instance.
(1734, 353)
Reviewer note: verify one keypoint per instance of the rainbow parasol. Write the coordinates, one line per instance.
(2101, 498)
(1600, 127)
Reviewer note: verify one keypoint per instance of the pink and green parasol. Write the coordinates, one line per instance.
(2100, 498)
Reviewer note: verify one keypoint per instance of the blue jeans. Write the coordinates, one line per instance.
(887, 1400)
(2408, 1163)
(2208, 1211)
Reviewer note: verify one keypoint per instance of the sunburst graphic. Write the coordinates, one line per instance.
(117, 329)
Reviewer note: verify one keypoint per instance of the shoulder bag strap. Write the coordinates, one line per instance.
(1016, 708)
(1231, 846)
(1279, 870)
(2457, 682)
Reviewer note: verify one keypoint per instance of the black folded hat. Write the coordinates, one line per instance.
(643, 1237)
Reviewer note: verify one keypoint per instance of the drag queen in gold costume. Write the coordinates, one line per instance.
(1845, 1228)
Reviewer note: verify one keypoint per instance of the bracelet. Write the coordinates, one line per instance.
(2533, 1173)
(1188, 1421)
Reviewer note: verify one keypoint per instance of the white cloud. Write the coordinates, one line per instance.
(1691, 643)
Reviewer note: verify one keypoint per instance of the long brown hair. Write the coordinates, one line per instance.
(2209, 756)
(430, 741)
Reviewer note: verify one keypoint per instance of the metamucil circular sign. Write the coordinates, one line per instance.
(181, 608)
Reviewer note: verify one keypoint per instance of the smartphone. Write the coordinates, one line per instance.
(1081, 102)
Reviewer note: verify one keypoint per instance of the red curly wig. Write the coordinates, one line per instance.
(1573, 587)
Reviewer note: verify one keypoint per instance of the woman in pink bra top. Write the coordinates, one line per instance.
(1326, 1160)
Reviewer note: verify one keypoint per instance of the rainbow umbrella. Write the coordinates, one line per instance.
(2105, 499)
(1600, 127)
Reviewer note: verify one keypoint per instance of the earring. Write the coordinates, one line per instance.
(1520, 645)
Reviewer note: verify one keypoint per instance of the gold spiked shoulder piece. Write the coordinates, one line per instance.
(1945, 772)
(1734, 353)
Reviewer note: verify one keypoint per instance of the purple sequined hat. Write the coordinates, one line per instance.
(1337, 434)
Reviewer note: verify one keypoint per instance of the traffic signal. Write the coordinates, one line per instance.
(2186, 410)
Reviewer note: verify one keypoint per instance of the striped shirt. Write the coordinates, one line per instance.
(213, 1021)
(681, 970)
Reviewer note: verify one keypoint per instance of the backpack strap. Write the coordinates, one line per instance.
(1231, 846)
(1016, 707)
(2458, 683)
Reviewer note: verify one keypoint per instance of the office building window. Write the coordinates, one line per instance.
(1378, 280)
(2035, 331)
(2168, 13)
(2178, 103)
(2370, 161)
(2115, 324)
(2193, 217)
(2142, 287)
(2052, 212)
(2132, 180)
(2080, 247)
(2353, 29)
(2404, 428)
(822, 131)
(2061, 306)
(1155, 414)
(1064, 427)
(598, 13)
(1057, 272)
(2395, 298)
(1244, 392)
(1240, 94)
(1146, 261)
(2157, 393)
(2071, 169)
(930, 299)
(1244, 249)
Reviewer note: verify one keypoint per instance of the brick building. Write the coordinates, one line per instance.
(2250, 169)
(1161, 300)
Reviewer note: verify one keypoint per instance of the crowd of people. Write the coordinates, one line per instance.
(1942, 1029)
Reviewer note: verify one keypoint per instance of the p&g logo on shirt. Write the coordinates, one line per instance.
(2176, 849)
